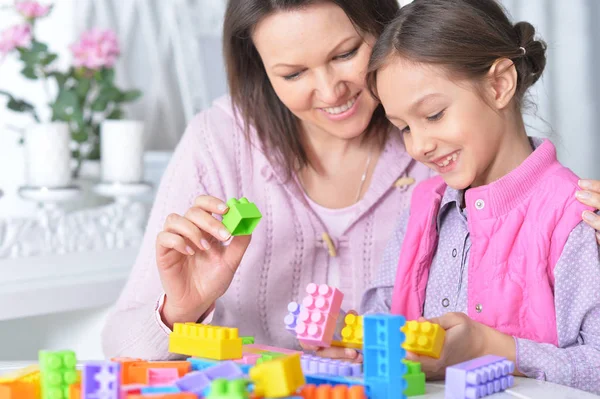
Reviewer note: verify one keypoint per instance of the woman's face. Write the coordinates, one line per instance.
(316, 62)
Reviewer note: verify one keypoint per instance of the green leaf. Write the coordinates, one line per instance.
(60, 77)
(29, 72)
(130, 95)
(83, 87)
(49, 59)
(80, 135)
(66, 105)
(116, 113)
(108, 75)
(37, 47)
(19, 105)
(99, 104)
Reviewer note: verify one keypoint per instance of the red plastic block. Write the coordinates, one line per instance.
(317, 321)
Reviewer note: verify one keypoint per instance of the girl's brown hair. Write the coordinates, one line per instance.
(251, 92)
(465, 37)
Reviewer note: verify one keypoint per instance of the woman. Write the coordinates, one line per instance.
(300, 137)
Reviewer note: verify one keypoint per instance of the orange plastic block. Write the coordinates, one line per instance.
(18, 390)
(75, 391)
(210, 342)
(29, 374)
(278, 378)
(139, 371)
(423, 338)
(126, 363)
(333, 392)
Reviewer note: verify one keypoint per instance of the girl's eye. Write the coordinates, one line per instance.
(347, 55)
(292, 76)
(436, 117)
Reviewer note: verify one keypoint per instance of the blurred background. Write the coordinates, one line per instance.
(67, 243)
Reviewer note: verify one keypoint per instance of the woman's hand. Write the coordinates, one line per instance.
(466, 339)
(194, 265)
(590, 195)
(334, 352)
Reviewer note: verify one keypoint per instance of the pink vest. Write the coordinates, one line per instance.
(519, 225)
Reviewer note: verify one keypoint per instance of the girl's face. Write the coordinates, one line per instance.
(446, 124)
(316, 62)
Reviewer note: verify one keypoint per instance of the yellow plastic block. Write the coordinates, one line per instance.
(423, 338)
(341, 344)
(200, 340)
(352, 333)
(278, 378)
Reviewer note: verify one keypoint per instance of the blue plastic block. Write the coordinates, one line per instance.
(199, 363)
(321, 379)
(228, 370)
(479, 377)
(195, 381)
(382, 348)
(160, 389)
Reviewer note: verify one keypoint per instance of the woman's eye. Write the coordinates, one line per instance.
(292, 76)
(436, 117)
(347, 55)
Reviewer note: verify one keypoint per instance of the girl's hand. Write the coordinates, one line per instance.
(346, 354)
(195, 267)
(466, 339)
(590, 195)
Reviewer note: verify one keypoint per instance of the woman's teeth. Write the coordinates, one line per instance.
(342, 108)
(446, 162)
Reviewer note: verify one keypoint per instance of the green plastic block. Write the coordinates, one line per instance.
(415, 379)
(268, 356)
(57, 372)
(221, 388)
(242, 217)
(247, 340)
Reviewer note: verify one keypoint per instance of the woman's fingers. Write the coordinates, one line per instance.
(207, 223)
(211, 204)
(184, 227)
(168, 241)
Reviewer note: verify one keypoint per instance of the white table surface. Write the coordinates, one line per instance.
(524, 388)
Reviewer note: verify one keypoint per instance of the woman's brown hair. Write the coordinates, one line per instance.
(465, 37)
(251, 92)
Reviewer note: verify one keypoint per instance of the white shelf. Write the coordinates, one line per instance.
(57, 283)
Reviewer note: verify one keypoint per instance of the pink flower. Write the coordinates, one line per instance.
(96, 49)
(14, 37)
(32, 9)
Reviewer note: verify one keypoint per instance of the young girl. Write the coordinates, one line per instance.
(493, 248)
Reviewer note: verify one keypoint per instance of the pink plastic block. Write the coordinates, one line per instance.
(267, 348)
(317, 321)
(162, 376)
(248, 358)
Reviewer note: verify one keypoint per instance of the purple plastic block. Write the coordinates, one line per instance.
(101, 380)
(194, 382)
(479, 377)
(312, 365)
(291, 319)
(228, 370)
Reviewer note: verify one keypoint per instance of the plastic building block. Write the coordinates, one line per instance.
(129, 389)
(160, 389)
(75, 391)
(29, 374)
(415, 379)
(291, 319)
(225, 389)
(324, 379)
(138, 372)
(212, 342)
(162, 376)
(479, 377)
(383, 354)
(424, 338)
(268, 356)
(199, 364)
(248, 359)
(228, 370)
(317, 322)
(17, 390)
(259, 349)
(126, 363)
(333, 392)
(101, 380)
(247, 340)
(278, 378)
(57, 372)
(352, 333)
(242, 217)
(318, 365)
(195, 382)
(179, 395)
